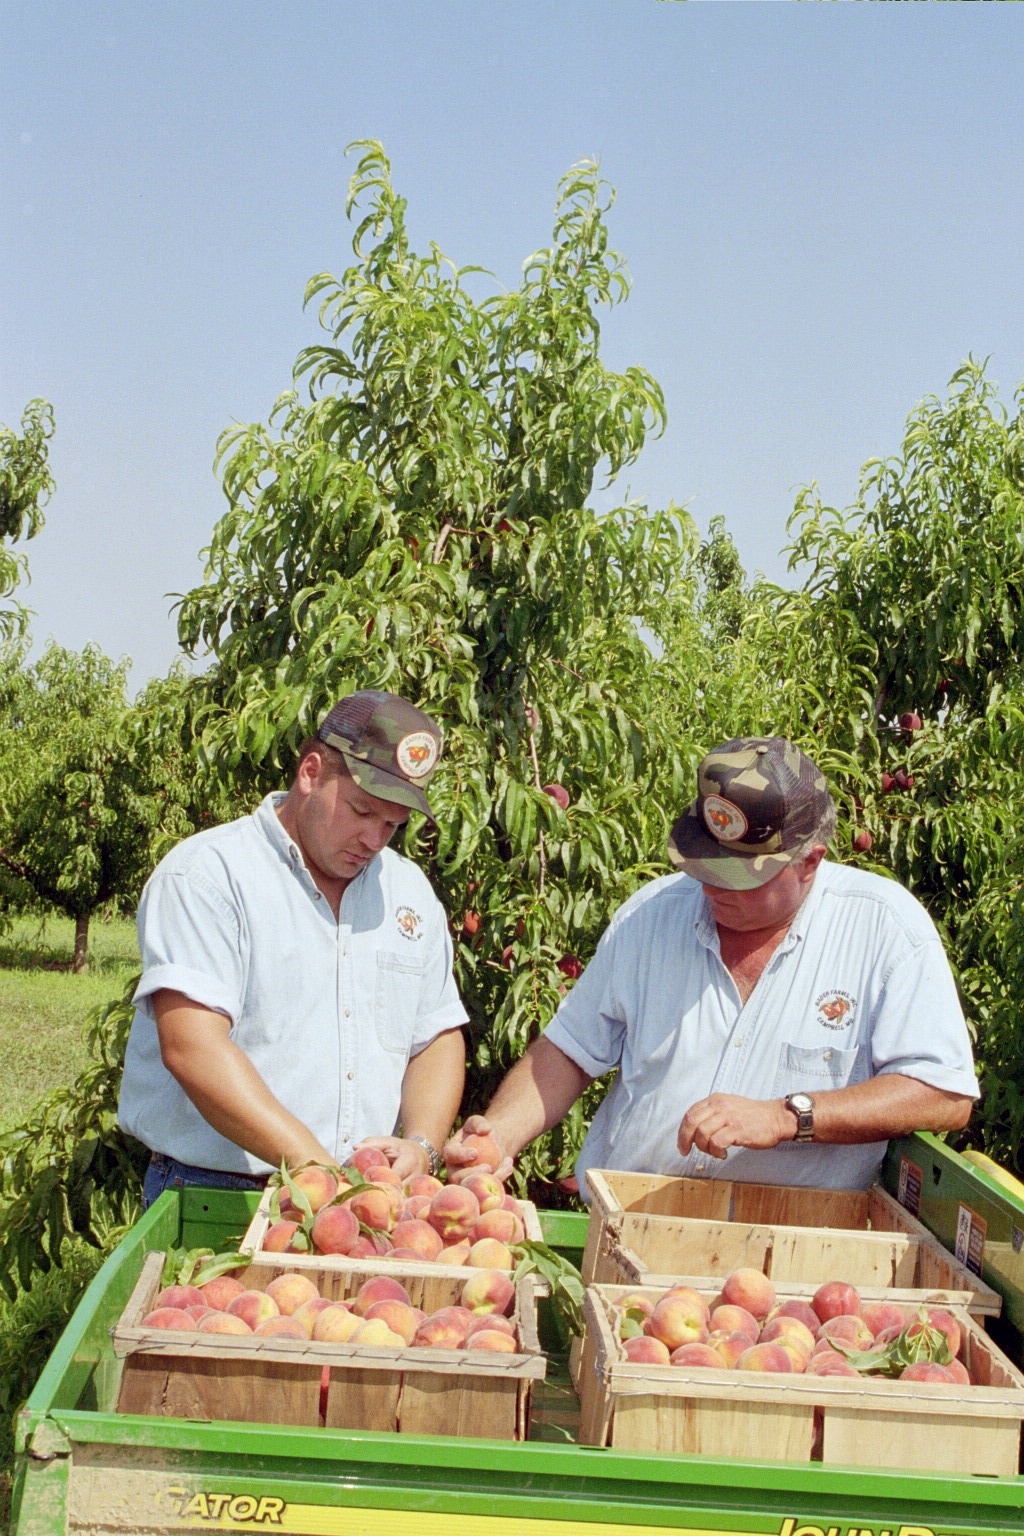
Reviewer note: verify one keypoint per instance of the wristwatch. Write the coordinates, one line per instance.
(430, 1149)
(802, 1105)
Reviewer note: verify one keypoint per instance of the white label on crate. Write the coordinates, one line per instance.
(970, 1238)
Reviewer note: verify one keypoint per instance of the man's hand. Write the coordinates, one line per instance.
(461, 1160)
(725, 1120)
(406, 1157)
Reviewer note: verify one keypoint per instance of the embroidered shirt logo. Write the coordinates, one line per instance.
(835, 1009)
(723, 819)
(410, 924)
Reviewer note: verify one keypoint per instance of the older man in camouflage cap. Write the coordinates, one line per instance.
(770, 1016)
(297, 995)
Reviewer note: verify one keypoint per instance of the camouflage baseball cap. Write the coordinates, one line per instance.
(391, 748)
(761, 804)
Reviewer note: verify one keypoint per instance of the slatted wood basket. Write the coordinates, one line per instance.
(764, 1417)
(645, 1227)
(278, 1380)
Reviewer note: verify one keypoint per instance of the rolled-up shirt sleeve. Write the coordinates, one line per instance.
(920, 1030)
(590, 1026)
(181, 914)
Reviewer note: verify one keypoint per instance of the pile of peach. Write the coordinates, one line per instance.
(474, 1223)
(747, 1328)
(380, 1313)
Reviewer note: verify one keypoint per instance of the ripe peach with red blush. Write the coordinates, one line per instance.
(217, 1293)
(678, 1318)
(484, 1149)
(927, 1370)
(491, 1338)
(335, 1229)
(378, 1288)
(489, 1191)
(181, 1296)
(291, 1290)
(366, 1159)
(489, 1290)
(280, 1235)
(765, 1357)
(223, 1322)
(836, 1298)
(643, 1350)
(732, 1319)
(254, 1307)
(335, 1325)
(318, 1185)
(701, 1356)
(729, 1346)
(749, 1288)
(488, 1253)
(400, 1317)
(168, 1317)
(417, 1237)
(453, 1212)
(802, 1310)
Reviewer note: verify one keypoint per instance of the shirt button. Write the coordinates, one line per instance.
(351, 1076)
(348, 1013)
(700, 1167)
(827, 1056)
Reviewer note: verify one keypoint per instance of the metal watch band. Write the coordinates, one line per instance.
(430, 1149)
(804, 1115)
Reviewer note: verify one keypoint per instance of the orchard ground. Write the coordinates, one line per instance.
(43, 1007)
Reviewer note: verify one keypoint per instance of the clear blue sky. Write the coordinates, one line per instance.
(821, 207)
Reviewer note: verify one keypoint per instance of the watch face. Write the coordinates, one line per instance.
(801, 1102)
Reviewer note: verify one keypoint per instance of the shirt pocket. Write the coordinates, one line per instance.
(819, 1066)
(396, 1001)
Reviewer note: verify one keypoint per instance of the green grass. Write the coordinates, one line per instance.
(43, 1007)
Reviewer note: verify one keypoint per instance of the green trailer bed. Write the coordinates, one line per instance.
(83, 1468)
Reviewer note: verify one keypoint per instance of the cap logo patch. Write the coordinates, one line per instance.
(724, 821)
(416, 754)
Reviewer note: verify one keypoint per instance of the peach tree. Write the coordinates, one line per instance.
(26, 484)
(420, 515)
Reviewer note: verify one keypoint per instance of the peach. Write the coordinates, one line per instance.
(729, 1346)
(492, 1320)
(196, 1311)
(836, 1298)
(308, 1313)
(484, 1149)
(695, 1354)
(799, 1354)
(376, 1331)
(376, 1205)
(443, 1330)
(291, 1290)
(488, 1290)
(959, 1372)
(454, 1254)
(644, 1350)
(848, 1330)
(489, 1191)
(883, 1314)
(279, 1236)
(453, 1212)
(366, 1159)
(634, 1301)
(488, 1253)
(780, 1328)
(679, 1318)
(830, 1363)
(419, 1236)
(501, 1225)
(733, 1319)
(400, 1317)
(422, 1184)
(335, 1324)
(335, 1229)
(491, 1338)
(168, 1317)
(378, 1288)
(927, 1370)
(223, 1322)
(318, 1185)
(217, 1293)
(802, 1310)
(414, 1208)
(945, 1322)
(749, 1288)
(181, 1296)
(286, 1327)
(253, 1307)
(765, 1357)
(371, 1245)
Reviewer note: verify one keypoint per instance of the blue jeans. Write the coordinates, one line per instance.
(167, 1173)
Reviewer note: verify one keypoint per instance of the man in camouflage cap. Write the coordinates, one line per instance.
(770, 1016)
(297, 997)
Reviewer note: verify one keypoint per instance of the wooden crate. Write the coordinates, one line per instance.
(252, 1244)
(291, 1381)
(644, 1227)
(763, 1417)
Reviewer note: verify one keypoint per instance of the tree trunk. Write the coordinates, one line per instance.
(81, 959)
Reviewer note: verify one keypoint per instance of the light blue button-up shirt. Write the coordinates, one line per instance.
(859, 986)
(329, 1012)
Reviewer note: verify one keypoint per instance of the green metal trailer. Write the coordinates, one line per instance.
(81, 1467)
